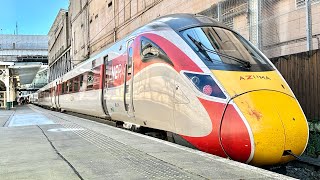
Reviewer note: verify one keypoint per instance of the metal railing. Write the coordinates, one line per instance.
(277, 27)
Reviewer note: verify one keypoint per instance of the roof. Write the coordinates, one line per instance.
(180, 22)
(57, 20)
(23, 42)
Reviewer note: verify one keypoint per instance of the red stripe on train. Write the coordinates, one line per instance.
(234, 134)
(115, 68)
(180, 60)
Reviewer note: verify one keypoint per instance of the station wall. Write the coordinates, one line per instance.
(95, 23)
(59, 46)
(301, 71)
(282, 23)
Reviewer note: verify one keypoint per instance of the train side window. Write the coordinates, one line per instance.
(81, 82)
(59, 89)
(90, 80)
(150, 50)
(70, 86)
(109, 77)
(130, 54)
(76, 84)
(65, 87)
(96, 77)
(105, 60)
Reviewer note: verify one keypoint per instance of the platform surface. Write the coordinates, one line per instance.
(42, 144)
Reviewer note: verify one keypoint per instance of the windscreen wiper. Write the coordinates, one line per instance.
(203, 48)
(200, 47)
(241, 61)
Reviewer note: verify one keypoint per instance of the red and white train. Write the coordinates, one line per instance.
(194, 78)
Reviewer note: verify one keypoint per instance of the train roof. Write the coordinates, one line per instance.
(180, 22)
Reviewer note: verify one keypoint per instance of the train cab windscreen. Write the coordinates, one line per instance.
(222, 49)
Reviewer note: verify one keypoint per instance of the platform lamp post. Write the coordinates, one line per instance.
(9, 98)
(8, 89)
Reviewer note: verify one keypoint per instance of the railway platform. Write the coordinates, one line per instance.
(41, 144)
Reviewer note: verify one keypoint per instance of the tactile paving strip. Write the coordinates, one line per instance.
(140, 162)
(147, 166)
(53, 118)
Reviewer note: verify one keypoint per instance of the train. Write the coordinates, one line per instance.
(194, 79)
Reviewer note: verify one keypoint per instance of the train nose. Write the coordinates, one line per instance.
(277, 125)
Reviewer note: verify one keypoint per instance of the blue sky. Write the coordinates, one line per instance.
(34, 17)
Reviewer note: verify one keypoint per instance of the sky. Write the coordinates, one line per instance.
(34, 17)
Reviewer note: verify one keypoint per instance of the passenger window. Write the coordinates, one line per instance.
(150, 50)
(70, 82)
(76, 85)
(109, 76)
(60, 89)
(65, 87)
(107, 70)
(130, 53)
(96, 77)
(81, 82)
(90, 80)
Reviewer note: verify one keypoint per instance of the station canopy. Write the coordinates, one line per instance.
(25, 72)
(26, 53)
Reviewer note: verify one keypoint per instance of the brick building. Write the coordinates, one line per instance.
(277, 27)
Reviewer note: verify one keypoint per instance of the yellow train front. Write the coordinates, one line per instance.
(254, 115)
(274, 115)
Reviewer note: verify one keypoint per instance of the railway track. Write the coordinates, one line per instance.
(303, 167)
(308, 161)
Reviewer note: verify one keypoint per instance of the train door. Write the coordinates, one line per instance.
(128, 81)
(57, 93)
(104, 90)
(54, 89)
(52, 96)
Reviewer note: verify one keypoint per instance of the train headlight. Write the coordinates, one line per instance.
(195, 80)
(207, 89)
(205, 84)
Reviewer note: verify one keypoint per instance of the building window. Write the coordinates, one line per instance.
(302, 3)
(110, 4)
(228, 22)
